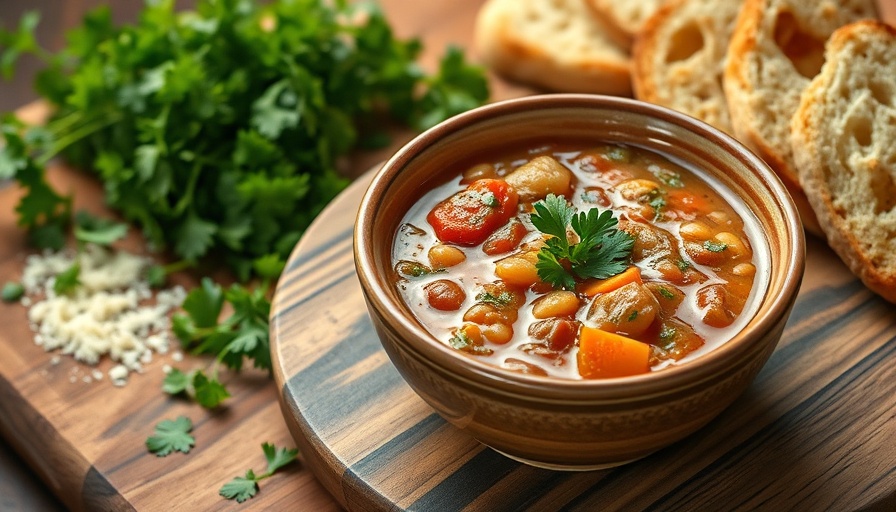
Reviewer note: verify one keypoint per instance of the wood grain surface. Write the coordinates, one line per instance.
(819, 416)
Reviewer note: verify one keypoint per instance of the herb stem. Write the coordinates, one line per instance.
(177, 266)
(76, 136)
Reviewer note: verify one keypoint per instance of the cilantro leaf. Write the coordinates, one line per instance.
(601, 252)
(12, 292)
(242, 488)
(91, 229)
(171, 436)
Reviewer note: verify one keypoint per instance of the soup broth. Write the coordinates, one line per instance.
(667, 277)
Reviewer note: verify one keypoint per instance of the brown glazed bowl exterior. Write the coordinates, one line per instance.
(568, 424)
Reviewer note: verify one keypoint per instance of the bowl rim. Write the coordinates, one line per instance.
(775, 305)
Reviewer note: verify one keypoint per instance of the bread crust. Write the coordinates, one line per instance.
(551, 44)
(678, 58)
(776, 48)
(843, 135)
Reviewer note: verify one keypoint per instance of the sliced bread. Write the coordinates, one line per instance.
(776, 48)
(678, 58)
(623, 19)
(552, 44)
(844, 143)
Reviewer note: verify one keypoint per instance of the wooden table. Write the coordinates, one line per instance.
(439, 22)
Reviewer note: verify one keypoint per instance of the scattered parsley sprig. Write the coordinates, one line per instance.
(208, 393)
(12, 291)
(170, 436)
(601, 252)
(88, 229)
(242, 488)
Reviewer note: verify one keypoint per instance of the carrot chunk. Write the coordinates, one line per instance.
(630, 275)
(604, 354)
(687, 203)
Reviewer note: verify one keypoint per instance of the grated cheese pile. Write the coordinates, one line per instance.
(110, 313)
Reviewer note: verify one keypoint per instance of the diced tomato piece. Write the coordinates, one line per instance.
(470, 216)
(505, 239)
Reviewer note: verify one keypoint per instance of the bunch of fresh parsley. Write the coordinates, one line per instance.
(602, 250)
(217, 129)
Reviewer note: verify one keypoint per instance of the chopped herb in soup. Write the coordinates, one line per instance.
(577, 263)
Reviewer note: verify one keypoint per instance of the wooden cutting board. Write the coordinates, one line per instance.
(86, 440)
(813, 432)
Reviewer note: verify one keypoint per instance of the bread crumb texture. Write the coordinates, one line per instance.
(844, 142)
(776, 49)
(679, 58)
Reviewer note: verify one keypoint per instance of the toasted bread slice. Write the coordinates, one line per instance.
(678, 58)
(776, 49)
(623, 19)
(844, 145)
(552, 44)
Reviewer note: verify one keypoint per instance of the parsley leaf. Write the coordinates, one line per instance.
(242, 488)
(91, 229)
(67, 280)
(500, 300)
(175, 382)
(415, 269)
(12, 292)
(18, 42)
(713, 246)
(44, 212)
(156, 276)
(666, 293)
(601, 252)
(244, 334)
(171, 436)
(207, 392)
(277, 458)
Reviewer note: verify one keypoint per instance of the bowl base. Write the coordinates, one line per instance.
(567, 467)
